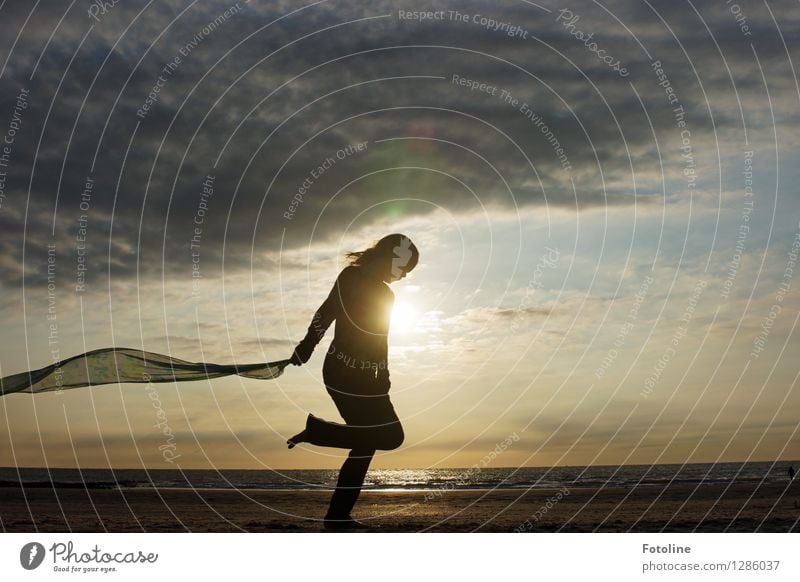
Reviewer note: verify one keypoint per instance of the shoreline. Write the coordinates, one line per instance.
(741, 507)
(438, 491)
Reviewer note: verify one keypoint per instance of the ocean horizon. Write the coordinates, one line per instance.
(624, 476)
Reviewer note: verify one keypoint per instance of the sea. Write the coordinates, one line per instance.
(626, 476)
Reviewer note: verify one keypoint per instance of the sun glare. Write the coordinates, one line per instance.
(404, 316)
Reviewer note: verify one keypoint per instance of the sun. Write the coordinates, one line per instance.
(404, 316)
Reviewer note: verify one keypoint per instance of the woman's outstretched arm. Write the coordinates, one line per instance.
(322, 320)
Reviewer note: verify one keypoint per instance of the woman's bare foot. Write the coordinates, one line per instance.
(296, 439)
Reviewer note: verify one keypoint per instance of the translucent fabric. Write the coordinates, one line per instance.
(122, 365)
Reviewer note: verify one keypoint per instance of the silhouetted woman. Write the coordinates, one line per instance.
(355, 370)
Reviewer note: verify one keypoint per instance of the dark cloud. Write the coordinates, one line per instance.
(273, 100)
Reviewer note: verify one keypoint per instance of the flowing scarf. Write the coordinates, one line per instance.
(123, 365)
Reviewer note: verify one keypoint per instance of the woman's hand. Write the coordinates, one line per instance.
(302, 353)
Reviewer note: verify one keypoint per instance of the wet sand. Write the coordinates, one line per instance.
(677, 508)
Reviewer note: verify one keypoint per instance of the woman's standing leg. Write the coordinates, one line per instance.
(348, 487)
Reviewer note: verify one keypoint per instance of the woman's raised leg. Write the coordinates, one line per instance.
(383, 433)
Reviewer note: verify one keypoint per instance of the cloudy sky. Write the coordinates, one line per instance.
(604, 195)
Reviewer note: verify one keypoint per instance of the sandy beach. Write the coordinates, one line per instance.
(677, 508)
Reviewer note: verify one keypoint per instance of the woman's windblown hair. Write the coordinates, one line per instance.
(398, 247)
